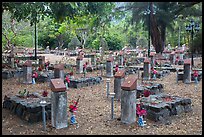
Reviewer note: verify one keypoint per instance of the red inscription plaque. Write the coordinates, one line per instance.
(120, 73)
(130, 83)
(57, 85)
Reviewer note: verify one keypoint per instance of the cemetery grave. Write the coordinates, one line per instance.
(161, 106)
(93, 99)
(27, 106)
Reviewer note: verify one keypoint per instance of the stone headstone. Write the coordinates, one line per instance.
(59, 116)
(119, 78)
(128, 100)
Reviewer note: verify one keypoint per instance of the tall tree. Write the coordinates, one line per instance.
(165, 13)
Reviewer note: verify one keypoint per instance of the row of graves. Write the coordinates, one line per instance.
(153, 104)
(144, 100)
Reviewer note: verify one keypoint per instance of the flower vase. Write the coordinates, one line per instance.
(33, 80)
(66, 84)
(73, 119)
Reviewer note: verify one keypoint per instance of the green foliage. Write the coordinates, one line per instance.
(24, 40)
(114, 43)
(197, 43)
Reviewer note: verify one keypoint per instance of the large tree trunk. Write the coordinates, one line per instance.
(163, 34)
(155, 32)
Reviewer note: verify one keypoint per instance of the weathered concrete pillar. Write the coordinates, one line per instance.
(79, 64)
(59, 71)
(109, 67)
(119, 78)
(152, 59)
(42, 61)
(27, 72)
(172, 58)
(146, 69)
(59, 115)
(128, 100)
(187, 71)
(93, 59)
(121, 58)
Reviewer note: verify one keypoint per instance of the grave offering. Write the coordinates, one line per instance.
(59, 114)
(27, 72)
(109, 67)
(27, 106)
(154, 88)
(118, 79)
(128, 100)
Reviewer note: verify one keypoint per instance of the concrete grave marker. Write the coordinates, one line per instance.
(128, 100)
(79, 64)
(27, 72)
(172, 57)
(147, 69)
(187, 71)
(59, 116)
(59, 71)
(42, 61)
(109, 67)
(121, 58)
(119, 78)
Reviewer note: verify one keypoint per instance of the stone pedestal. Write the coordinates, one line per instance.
(27, 72)
(79, 65)
(109, 67)
(59, 116)
(119, 78)
(147, 69)
(59, 71)
(128, 100)
(187, 71)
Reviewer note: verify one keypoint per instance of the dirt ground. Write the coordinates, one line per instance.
(94, 111)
